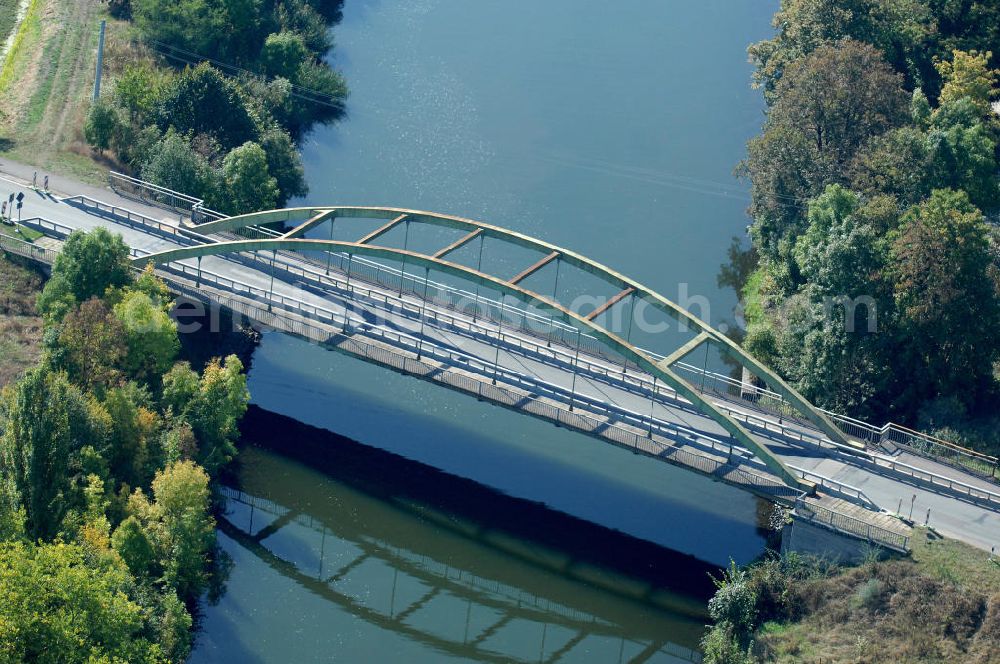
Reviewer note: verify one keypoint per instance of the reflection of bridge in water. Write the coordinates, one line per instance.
(416, 585)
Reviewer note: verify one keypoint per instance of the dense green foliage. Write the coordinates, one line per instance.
(875, 195)
(230, 140)
(62, 605)
(106, 447)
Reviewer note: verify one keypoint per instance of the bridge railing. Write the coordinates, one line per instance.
(510, 332)
(626, 417)
(513, 337)
(707, 381)
(516, 336)
(850, 525)
(179, 234)
(834, 487)
(920, 443)
(557, 392)
(149, 193)
(49, 228)
(965, 490)
(617, 432)
(26, 249)
(916, 442)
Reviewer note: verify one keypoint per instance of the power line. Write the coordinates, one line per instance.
(192, 58)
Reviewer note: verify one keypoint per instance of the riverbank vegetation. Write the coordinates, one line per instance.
(875, 200)
(107, 448)
(211, 98)
(940, 605)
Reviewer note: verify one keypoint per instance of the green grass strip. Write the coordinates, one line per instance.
(29, 32)
(8, 14)
(21, 232)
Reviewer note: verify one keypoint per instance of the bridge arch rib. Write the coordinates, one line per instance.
(310, 217)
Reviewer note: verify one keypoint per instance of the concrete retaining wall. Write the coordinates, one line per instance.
(805, 537)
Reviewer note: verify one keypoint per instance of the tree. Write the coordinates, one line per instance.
(952, 146)
(173, 164)
(92, 262)
(212, 406)
(330, 84)
(101, 125)
(784, 172)
(285, 164)
(249, 185)
(91, 345)
(150, 284)
(283, 54)
(150, 336)
(12, 515)
(56, 299)
(840, 96)
(967, 25)
(944, 275)
(962, 131)
(60, 607)
(900, 29)
(960, 153)
(179, 526)
(134, 426)
(307, 21)
(828, 354)
(203, 101)
(180, 385)
(828, 105)
(968, 75)
(821, 337)
(132, 543)
(173, 627)
(838, 253)
(138, 90)
(178, 443)
(895, 163)
(46, 423)
(223, 29)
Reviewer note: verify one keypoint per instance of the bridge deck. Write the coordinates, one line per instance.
(615, 407)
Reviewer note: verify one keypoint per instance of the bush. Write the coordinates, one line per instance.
(721, 646)
(173, 164)
(870, 596)
(102, 125)
(735, 601)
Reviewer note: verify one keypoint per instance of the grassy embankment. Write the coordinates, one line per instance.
(20, 324)
(46, 81)
(8, 16)
(940, 605)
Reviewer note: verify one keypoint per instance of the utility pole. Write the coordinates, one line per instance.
(100, 61)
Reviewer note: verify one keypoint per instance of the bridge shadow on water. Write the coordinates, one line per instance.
(574, 583)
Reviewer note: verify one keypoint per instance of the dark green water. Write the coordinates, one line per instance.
(609, 128)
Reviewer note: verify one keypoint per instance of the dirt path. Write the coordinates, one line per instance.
(45, 128)
(69, 77)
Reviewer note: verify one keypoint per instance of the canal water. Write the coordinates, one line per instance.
(374, 517)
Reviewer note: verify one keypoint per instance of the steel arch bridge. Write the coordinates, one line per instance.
(441, 260)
